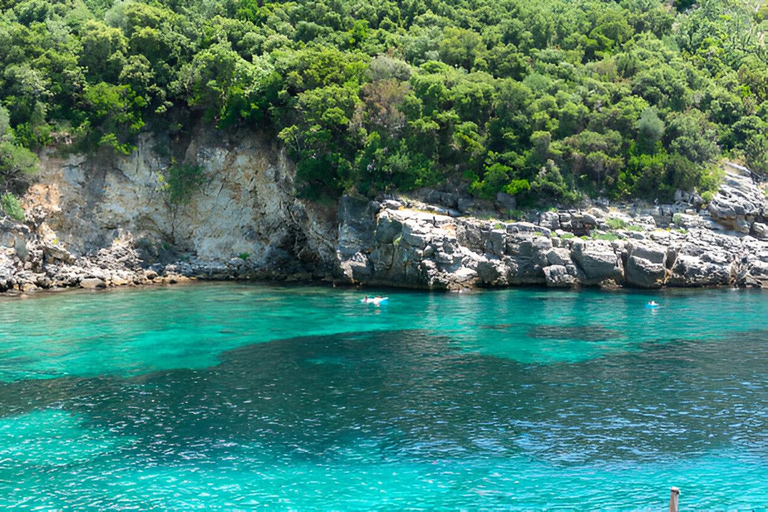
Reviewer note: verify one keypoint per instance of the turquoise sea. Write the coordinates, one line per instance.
(246, 396)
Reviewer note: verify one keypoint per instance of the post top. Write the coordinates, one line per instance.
(676, 490)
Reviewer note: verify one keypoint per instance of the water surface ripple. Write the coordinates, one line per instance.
(239, 396)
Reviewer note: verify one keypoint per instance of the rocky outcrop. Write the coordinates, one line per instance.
(425, 250)
(646, 264)
(30, 264)
(107, 221)
(739, 203)
(245, 203)
(599, 261)
(416, 246)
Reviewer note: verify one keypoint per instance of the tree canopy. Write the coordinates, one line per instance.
(545, 100)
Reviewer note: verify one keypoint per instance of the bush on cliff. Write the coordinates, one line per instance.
(16, 162)
(180, 182)
(10, 204)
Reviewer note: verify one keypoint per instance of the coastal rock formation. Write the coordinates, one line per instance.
(244, 203)
(646, 264)
(243, 218)
(598, 261)
(738, 203)
(417, 245)
(427, 250)
(107, 221)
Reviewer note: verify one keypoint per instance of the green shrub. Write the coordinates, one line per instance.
(711, 179)
(16, 161)
(244, 256)
(634, 228)
(707, 196)
(615, 223)
(610, 237)
(181, 182)
(10, 204)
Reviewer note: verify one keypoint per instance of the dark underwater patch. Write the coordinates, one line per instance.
(414, 397)
(574, 332)
(501, 327)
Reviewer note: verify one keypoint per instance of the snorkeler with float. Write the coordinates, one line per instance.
(374, 300)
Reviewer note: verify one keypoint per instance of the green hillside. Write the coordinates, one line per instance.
(544, 99)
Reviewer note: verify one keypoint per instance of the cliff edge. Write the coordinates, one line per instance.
(109, 220)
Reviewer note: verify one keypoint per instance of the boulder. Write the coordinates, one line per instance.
(644, 274)
(462, 278)
(415, 235)
(522, 227)
(92, 282)
(391, 204)
(758, 270)
(738, 202)
(506, 201)
(356, 224)
(496, 242)
(491, 272)
(469, 235)
(702, 263)
(558, 256)
(693, 271)
(559, 276)
(597, 261)
(358, 268)
(550, 220)
(760, 231)
(388, 228)
(646, 265)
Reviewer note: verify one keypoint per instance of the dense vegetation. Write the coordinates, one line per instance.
(543, 99)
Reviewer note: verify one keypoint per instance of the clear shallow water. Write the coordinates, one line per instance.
(237, 396)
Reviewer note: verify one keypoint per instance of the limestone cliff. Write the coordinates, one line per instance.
(107, 220)
(242, 220)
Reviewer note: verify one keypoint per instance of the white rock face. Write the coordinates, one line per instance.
(739, 202)
(245, 205)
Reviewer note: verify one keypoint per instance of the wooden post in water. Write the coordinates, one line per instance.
(674, 498)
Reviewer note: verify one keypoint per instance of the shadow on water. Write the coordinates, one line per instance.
(408, 394)
(581, 333)
(558, 332)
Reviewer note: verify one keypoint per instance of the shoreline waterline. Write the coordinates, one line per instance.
(13, 295)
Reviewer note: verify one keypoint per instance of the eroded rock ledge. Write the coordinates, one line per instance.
(409, 243)
(428, 250)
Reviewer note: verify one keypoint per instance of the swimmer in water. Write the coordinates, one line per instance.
(374, 300)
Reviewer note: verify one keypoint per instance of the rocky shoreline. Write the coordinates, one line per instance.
(642, 246)
(104, 222)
